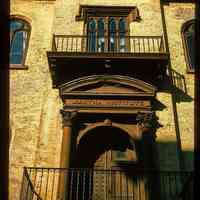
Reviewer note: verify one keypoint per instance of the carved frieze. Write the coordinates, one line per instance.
(107, 103)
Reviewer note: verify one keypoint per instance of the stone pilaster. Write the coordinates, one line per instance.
(68, 117)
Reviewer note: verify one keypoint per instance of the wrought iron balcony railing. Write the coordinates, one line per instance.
(90, 184)
(126, 44)
(28, 191)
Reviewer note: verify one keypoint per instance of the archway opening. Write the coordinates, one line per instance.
(105, 147)
(108, 160)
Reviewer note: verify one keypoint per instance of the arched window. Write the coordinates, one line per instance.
(107, 34)
(92, 35)
(187, 31)
(19, 36)
(112, 35)
(101, 32)
(122, 34)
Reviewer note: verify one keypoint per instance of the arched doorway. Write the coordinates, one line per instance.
(108, 158)
(105, 147)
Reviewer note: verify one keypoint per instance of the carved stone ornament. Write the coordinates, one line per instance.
(146, 121)
(108, 122)
(68, 117)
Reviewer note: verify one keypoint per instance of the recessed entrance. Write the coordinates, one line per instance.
(108, 158)
(104, 147)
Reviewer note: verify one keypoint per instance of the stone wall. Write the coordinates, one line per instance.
(175, 15)
(35, 120)
(32, 99)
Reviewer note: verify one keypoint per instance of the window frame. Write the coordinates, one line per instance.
(184, 28)
(127, 13)
(27, 29)
(107, 19)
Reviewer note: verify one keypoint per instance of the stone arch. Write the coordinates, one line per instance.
(96, 142)
(136, 135)
(22, 17)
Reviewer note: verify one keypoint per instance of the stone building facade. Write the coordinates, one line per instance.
(97, 92)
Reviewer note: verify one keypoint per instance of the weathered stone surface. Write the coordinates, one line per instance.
(35, 120)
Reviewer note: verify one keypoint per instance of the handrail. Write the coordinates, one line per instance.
(147, 170)
(31, 186)
(84, 182)
(106, 44)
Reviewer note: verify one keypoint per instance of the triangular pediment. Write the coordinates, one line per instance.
(107, 84)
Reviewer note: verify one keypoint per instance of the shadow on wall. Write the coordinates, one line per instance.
(164, 180)
(168, 155)
(178, 87)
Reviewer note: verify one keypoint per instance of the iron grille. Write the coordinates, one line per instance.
(93, 184)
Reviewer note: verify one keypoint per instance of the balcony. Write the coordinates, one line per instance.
(73, 56)
(128, 45)
(116, 184)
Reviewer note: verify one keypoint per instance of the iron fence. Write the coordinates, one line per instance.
(28, 191)
(96, 184)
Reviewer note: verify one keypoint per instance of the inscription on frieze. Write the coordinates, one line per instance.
(107, 102)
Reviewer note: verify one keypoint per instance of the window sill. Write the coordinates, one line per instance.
(18, 66)
(190, 71)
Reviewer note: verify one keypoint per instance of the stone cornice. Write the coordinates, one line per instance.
(91, 10)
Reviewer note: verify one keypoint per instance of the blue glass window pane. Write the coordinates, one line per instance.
(92, 41)
(112, 34)
(101, 39)
(15, 25)
(92, 36)
(92, 25)
(122, 32)
(191, 50)
(122, 26)
(17, 48)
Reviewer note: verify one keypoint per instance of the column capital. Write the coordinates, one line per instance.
(68, 117)
(146, 121)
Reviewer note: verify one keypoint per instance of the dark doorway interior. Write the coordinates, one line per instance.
(106, 163)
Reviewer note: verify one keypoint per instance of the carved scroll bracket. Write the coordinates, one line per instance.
(147, 121)
(68, 117)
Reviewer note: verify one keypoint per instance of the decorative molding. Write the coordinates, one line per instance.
(76, 84)
(146, 121)
(126, 11)
(108, 122)
(18, 66)
(68, 117)
(111, 103)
